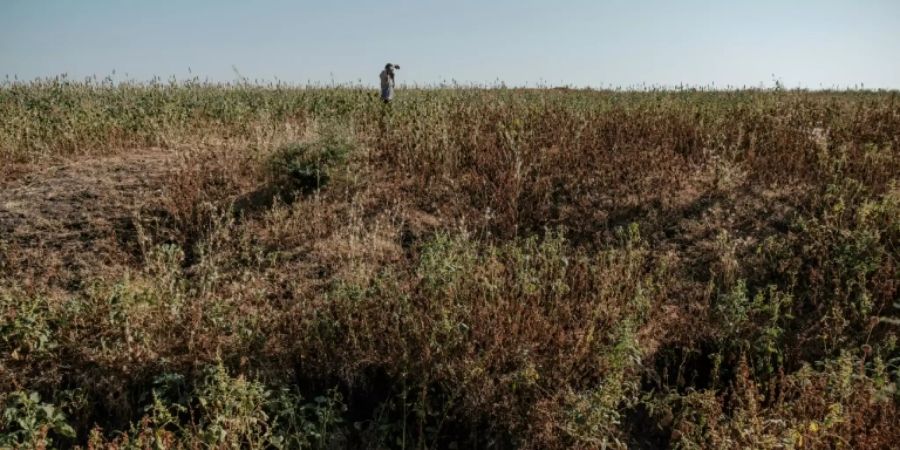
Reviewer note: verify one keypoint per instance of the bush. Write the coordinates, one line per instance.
(26, 326)
(28, 422)
(309, 166)
(224, 411)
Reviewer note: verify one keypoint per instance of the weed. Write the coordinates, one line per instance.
(30, 423)
(503, 268)
(308, 166)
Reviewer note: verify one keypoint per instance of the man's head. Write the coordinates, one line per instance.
(390, 67)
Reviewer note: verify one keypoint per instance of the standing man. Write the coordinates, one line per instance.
(387, 82)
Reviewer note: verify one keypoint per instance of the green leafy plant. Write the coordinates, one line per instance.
(26, 327)
(29, 422)
(309, 166)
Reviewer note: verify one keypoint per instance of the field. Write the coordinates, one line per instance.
(199, 265)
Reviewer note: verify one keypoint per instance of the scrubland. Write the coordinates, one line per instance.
(196, 265)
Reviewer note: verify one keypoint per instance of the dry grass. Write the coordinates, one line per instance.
(465, 268)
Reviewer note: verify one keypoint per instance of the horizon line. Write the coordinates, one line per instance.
(497, 84)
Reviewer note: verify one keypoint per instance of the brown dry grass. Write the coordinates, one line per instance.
(517, 269)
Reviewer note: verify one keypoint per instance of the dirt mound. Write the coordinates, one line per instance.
(58, 223)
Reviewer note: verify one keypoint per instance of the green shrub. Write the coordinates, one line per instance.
(27, 422)
(225, 411)
(26, 326)
(309, 166)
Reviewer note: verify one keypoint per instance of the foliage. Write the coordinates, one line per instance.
(469, 267)
(28, 422)
(308, 166)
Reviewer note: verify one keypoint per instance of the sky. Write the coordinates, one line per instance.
(581, 43)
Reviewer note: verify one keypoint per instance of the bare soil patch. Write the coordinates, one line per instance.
(64, 221)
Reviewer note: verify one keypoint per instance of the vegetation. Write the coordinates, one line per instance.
(464, 268)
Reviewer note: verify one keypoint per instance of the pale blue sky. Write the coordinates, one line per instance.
(809, 43)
